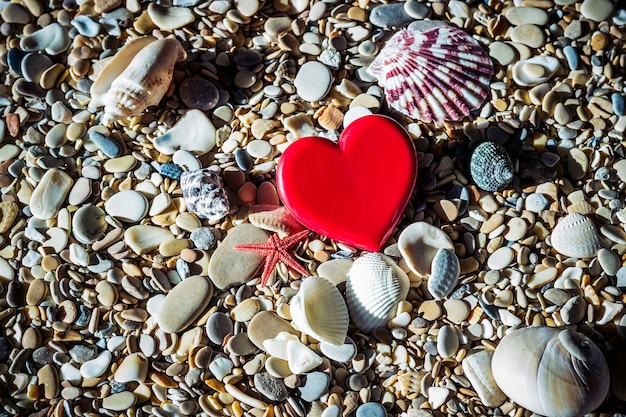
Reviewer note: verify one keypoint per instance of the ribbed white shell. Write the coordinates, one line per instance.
(375, 286)
(319, 310)
(575, 235)
(444, 275)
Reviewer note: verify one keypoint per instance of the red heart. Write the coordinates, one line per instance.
(354, 191)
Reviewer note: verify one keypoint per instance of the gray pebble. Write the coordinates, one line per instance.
(431, 347)
(243, 159)
(371, 410)
(108, 146)
(199, 93)
(5, 349)
(315, 386)
(571, 55)
(203, 238)
(390, 15)
(536, 202)
(218, 326)
(15, 295)
(43, 355)
(574, 30)
(34, 64)
(416, 9)
(574, 310)
(621, 278)
(82, 354)
(272, 388)
(618, 103)
(344, 353)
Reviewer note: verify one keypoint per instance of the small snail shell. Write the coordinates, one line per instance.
(144, 81)
(551, 371)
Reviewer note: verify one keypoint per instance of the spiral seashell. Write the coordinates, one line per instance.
(374, 287)
(444, 275)
(319, 310)
(204, 194)
(144, 81)
(491, 167)
(550, 371)
(575, 235)
(435, 75)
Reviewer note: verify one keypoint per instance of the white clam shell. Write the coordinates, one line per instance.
(444, 275)
(576, 236)
(319, 310)
(374, 287)
(419, 243)
(535, 70)
(550, 371)
(194, 132)
(144, 82)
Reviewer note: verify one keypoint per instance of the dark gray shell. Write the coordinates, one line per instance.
(491, 167)
(204, 194)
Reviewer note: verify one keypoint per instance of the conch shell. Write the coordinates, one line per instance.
(143, 81)
(551, 371)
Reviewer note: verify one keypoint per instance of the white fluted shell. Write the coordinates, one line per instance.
(374, 287)
(551, 371)
(576, 236)
(319, 310)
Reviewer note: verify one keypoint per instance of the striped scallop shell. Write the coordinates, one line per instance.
(491, 167)
(319, 310)
(441, 74)
(576, 236)
(374, 287)
(444, 275)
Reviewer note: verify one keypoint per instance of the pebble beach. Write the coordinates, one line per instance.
(132, 211)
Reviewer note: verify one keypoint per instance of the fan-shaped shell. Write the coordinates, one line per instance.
(374, 287)
(491, 167)
(319, 310)
(444, 274)
(144, 82)
(575, 235)
(436, 75)
(551, 371)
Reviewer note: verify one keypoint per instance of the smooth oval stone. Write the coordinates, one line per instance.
(88, 224)
(416, 9)
(48, 377)
(571, 56)
(524, 15)
(142, 239)
(218, 326)
(14, 59)
(186, 159)
(199, 93)
(54, 39)
(371, 409)
(33, 65)
(127, 206)
(194, 132)
(529, 35)
(80, 191)
(597, 10)
(618, 103)
(390, 15)
(447, 342)
(313, 81)
(120, 401)
(49, 195)
(15, 13)
(267, 325)
(184, 303)
(229, 266)
(574, 310)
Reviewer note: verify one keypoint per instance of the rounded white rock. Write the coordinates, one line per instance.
(127, 206)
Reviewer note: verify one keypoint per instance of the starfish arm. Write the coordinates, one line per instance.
(261, 249)
(270, 264)
(292, 263)
(293, 240)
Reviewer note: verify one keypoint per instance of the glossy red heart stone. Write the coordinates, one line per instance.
(356, 190)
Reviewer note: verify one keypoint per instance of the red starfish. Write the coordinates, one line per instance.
(276, 250)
